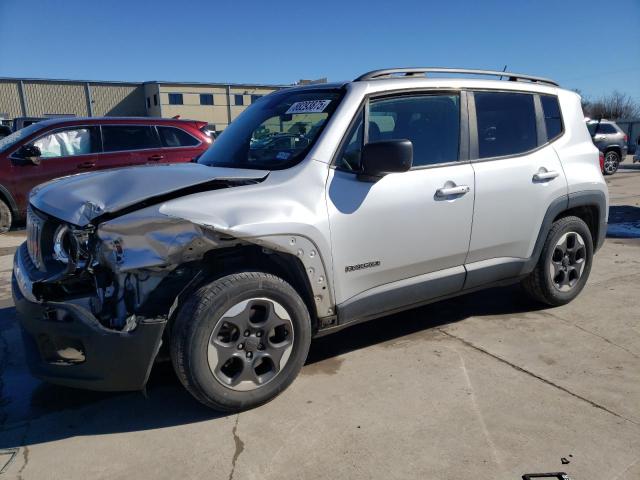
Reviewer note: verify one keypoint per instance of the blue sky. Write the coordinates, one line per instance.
(574, 42)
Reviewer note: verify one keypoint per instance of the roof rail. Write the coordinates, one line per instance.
(411, 72)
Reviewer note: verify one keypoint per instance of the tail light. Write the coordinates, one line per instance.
(601, 155)
(626, 138)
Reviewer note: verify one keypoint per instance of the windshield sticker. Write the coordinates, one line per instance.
(308, 106)
(283, 155)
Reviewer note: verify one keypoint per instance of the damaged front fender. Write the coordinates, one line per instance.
(147, 239)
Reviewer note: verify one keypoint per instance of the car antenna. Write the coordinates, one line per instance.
(504, 70)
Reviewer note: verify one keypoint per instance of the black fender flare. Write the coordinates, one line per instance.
(586, 198)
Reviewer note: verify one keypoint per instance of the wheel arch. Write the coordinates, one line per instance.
(589, 205)
(218, 263)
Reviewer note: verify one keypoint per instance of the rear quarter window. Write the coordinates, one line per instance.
(176, 137)
(552, 116)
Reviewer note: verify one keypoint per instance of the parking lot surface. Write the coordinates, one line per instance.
(485, 386)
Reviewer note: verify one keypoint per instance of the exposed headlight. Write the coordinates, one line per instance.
(65, 245)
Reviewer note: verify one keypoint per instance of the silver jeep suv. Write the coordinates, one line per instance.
(401, 188)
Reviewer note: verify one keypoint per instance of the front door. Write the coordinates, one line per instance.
(405, 236)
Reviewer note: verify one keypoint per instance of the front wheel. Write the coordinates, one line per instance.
(240, 340)
(611, 162)
(564, 264)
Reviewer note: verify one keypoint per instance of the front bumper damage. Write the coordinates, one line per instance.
(65, 344)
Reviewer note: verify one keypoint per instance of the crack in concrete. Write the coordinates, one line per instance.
(538, 377)
(239, 447)
(478, 412)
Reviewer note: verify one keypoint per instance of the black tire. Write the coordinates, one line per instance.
(539, 284)
(611, 162)
(202, 313)
(5, 217)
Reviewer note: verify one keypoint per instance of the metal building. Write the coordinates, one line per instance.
(216, 103)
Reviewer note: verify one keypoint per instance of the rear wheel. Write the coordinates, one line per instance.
(241, 340)
(5, 217)
(564, 264)
(611, 162)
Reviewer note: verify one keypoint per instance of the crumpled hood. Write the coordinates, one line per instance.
(78, 199)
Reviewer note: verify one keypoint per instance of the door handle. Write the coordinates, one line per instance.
(156, 157)
(87, 165)
(449, 191)
(543, 175)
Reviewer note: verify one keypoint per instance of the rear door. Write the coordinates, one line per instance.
(65, 151)
(518, 175)
(125, 145)
(178, 145)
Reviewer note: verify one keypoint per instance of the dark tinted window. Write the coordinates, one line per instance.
(238, 100)
(506, 123)
(176, 137)
(552, 116)
(148, 102)
(128, 137)
(155, 99)
(206, 99)
(606, 128)
(431, 122)
(175, 99)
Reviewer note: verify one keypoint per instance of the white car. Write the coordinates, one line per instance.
(406, 190)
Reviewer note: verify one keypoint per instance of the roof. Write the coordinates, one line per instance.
(56, 120)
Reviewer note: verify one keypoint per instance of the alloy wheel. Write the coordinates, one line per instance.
(568, 261)
(250, 344)
(610, 163)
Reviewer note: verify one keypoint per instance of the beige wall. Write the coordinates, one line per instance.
(216, 114)
(117, 100)
(10, 99)
(55, 98)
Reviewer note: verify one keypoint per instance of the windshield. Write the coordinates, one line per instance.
(275, 132)
(10, 140)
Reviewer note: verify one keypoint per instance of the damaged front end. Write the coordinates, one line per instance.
(94, 300)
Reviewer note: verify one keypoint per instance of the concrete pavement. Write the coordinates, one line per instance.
(485, 386)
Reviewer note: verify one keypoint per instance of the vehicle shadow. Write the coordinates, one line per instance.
(32, 412)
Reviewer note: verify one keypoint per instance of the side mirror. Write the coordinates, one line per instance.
(30, 154)
(387, 156)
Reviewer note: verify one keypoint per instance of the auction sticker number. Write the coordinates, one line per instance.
(308, 106)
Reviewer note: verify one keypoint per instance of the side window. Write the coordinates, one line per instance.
(175, 99)
(506, 123)
(176, 137)
(67, 143)
(606, 128)
(206, 99)
(128, 137)
(552, 116)
(431, 122)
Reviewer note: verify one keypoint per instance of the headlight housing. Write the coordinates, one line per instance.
(65, 244)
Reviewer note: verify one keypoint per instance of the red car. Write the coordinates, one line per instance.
(54, 148)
